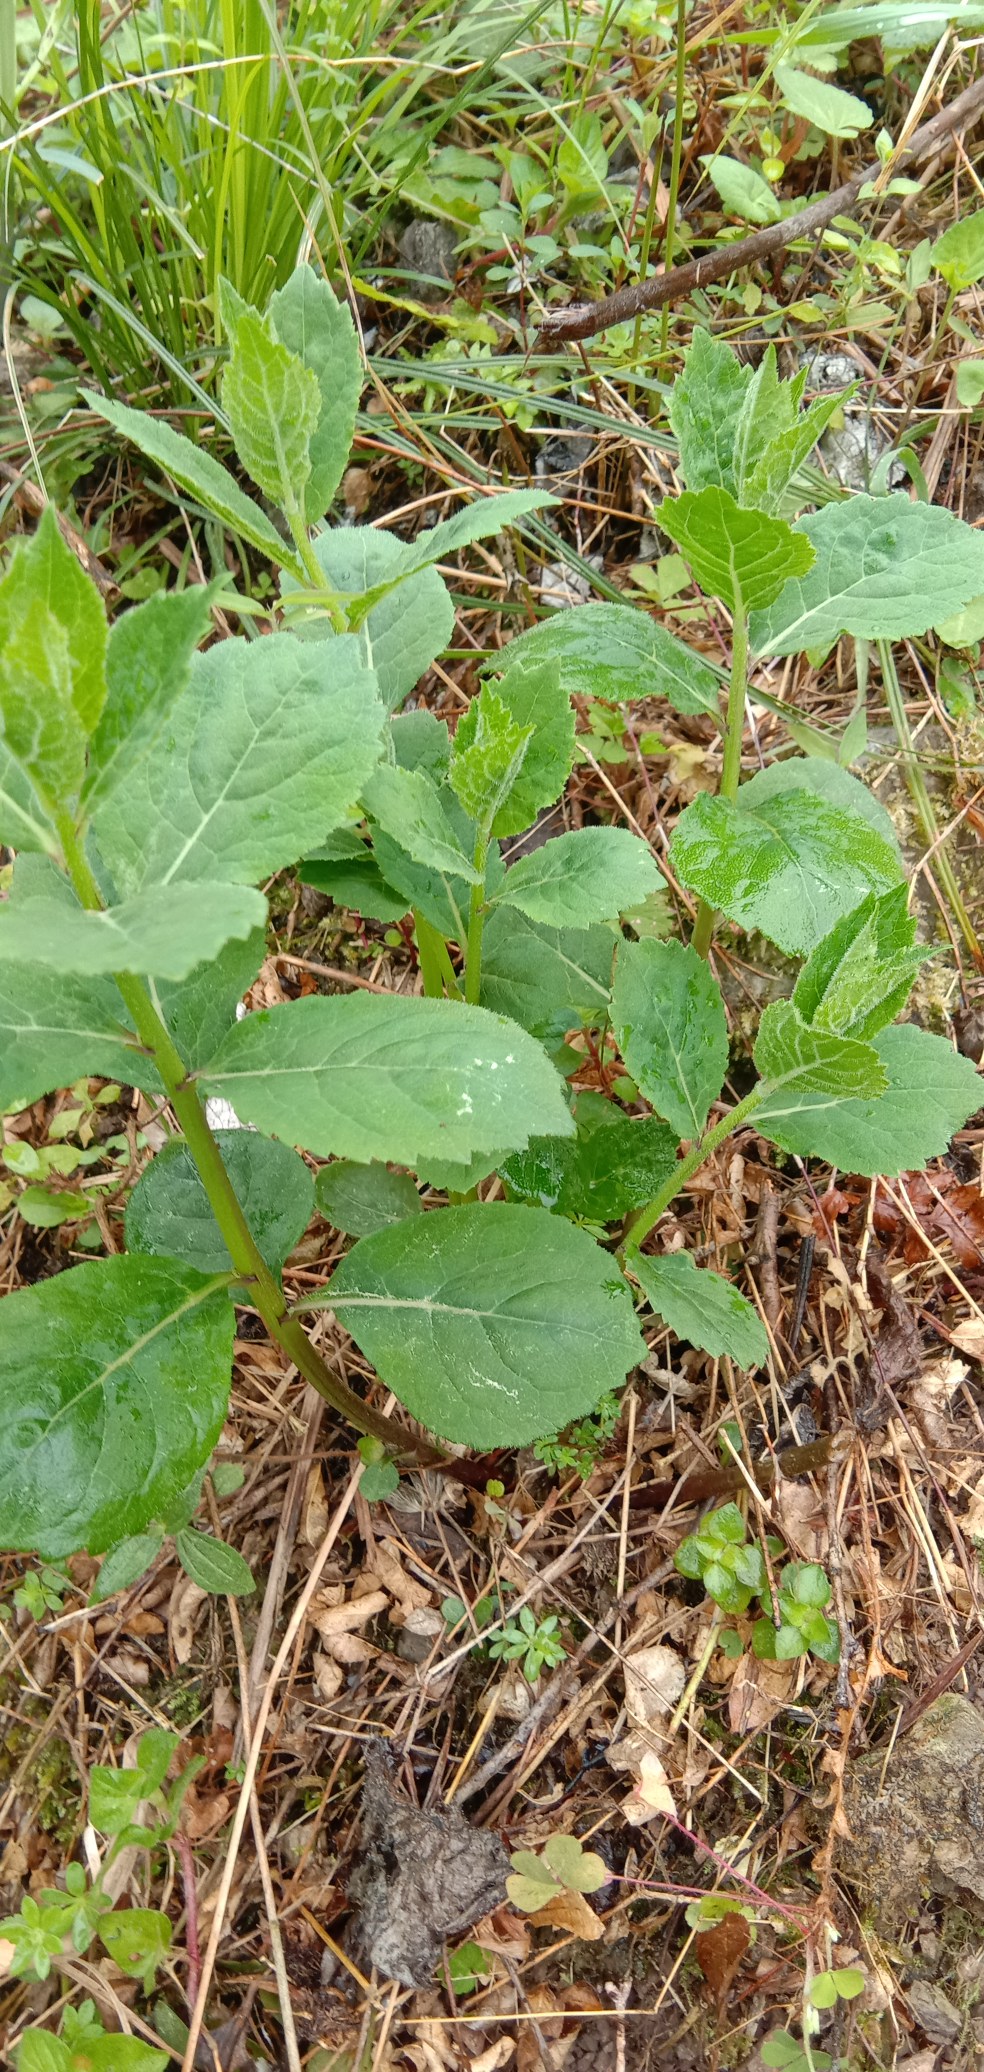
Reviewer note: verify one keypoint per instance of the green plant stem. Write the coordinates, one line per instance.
(733, 730)
(315, 573)
(266, 1295)
(476, 921)
(916, 783)
(669, 239)
(694, 1681)
(644, 1221)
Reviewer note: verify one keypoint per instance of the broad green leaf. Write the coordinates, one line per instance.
(195, 471)
(668, 1015)
(493, 1324)
(931, 1092)
(52, 674)
(318, 329)
(446, 1177)
(138, 1940)
(355, 881)
(534, 693)
(55, 1027)
(829, 108)
(607, 1170)
(169, 1214)
(268, 746)
(125, 1406)
(549, 980)
(743, 557)
(359, 1199)
(483, 519)
(212, 1565)
(860, 976)
(162, 933)
(701, 1307)
(487, 756)
(39, 2052)
(884, 569)
(743, 191)
(829, 782)
(592, 874)
(704, 408)
(616, 653)
(395, 1078)
(409, 627)
(789, 1053)
(124, 1563)
(421, 742)
(790, 865)
(147, 662)
(959, 254)
(408, 806)
(273, 403)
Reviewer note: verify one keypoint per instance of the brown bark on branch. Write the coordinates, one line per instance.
(585, 320)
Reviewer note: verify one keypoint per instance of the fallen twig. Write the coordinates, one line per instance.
(585, 320)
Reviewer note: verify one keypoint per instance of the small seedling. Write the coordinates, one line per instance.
(137, 1938)
(534, 1642)
(804, 1629)
(469, 1967)
(730, 1567)
(830, 1986)
(83, 2045)
(783, 2051)
(580, 1448)
(565, 1865)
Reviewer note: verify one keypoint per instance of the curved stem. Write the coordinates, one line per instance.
(643, 1222)
(922, 801)
(265, 1292)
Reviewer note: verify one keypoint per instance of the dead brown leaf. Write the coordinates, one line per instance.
(570, 1911)
(719, 1951)
(182, 1615)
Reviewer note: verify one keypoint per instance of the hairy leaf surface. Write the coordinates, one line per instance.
(169, 1213)
(931, 1091)
(492, 1323)
(668, 1016)
(701, 1307)
(592, 874)
(388, 1077)
(125, 1407)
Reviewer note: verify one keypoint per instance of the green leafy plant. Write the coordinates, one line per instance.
(803, 1591)
(148, 787)
(70, 1918)
(469, 1967)
(581, 1446)
(83, 2045)
(534, 1642)
(564, 1865)
(731, 1568)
